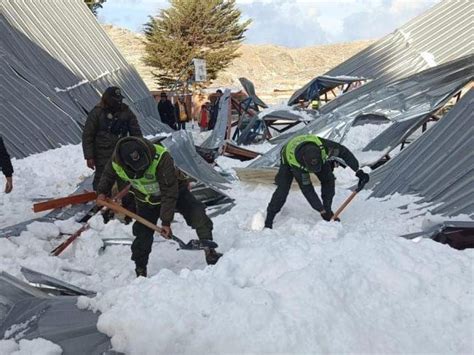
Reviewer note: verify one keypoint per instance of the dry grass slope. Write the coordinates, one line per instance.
(270, 67)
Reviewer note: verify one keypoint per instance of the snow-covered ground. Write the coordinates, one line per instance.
(307, 286)
(51, 174)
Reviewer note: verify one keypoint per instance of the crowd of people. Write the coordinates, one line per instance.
(113, 146)
(178, 114)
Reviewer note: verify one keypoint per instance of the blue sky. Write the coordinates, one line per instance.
(291, 23)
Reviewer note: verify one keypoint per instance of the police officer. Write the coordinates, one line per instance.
(160, 189)
(109, 121)
(307, 154)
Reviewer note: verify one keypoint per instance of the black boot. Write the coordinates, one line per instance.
(212, 256)
(269, 220)
(140, 271)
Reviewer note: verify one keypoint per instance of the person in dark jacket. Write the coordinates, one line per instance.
(214, 110)
(6, 166)
(307, 154)
(109, 121)
(166, 110)
(160, 189)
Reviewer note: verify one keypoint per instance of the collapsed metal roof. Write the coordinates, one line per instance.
(319, 85)
(250, 90)
(441, 34)
(57, 64)
(217, 137)
(438, 166)
(407, 101)
(28, 313)
(181, 147)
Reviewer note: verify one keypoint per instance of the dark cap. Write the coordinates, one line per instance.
(163, 94)
(310, 156)
(134, 154)
(114, 92)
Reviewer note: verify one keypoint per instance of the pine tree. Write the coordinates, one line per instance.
(207, 29)
(94, 5)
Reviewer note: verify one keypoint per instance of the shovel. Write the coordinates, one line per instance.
(347, 201)
(193, 244)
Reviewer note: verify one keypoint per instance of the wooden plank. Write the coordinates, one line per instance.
(64, 201)
(265, 176)
(239, 151)
(61, 247)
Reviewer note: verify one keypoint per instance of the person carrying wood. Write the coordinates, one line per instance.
(307, 154)
(6, 166)
(160, 189)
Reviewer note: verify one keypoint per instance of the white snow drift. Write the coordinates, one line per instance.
(307, 286)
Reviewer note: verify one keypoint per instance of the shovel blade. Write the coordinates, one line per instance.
(196, 244)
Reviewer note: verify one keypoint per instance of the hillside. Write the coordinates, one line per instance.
(270, 67)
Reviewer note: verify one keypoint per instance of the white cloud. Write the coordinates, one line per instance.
(292, 23)
(382, 18)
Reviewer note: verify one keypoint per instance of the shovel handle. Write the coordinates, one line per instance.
(119, 209)
(344, 204)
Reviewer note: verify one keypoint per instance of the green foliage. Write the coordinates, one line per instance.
(94, 5)
(207, 29)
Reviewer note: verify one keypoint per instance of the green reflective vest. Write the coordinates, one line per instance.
(289, 150)
(147, 184)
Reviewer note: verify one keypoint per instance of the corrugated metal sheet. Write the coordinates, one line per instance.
(411, 99)
(217, 137)
(443, 33)
(29, 121)
(250, 90)
(181, 147)
(55, 318)
(439, 166)
(319, 86)
(62, 50)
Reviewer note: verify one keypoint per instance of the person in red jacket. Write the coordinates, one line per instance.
(6, 166)
(204, 119)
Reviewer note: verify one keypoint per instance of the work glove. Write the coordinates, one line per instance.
(326, 215)
(363, 179)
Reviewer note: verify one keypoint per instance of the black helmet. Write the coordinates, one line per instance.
(311, 157)
(113, 92)
(134, 154)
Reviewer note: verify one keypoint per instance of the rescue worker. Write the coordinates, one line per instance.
(109, 121)
(160, 189)
(307, 154)
(6, 166)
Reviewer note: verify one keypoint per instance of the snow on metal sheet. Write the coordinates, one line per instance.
(413, 98)
(28, 313)
(66, 55)
(438, 166)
